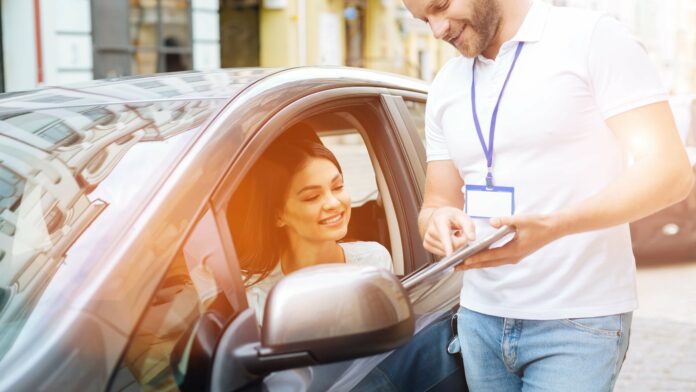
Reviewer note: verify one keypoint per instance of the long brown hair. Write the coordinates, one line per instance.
(259, 200)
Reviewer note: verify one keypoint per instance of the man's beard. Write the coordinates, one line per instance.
(484, 23)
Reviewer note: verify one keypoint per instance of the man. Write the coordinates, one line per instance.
(532, 128)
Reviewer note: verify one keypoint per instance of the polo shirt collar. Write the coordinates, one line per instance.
(532, 28)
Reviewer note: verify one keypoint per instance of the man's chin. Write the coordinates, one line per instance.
(467, 51)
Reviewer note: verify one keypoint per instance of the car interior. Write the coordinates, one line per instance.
(372, 214)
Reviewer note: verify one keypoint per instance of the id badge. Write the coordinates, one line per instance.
(483, 203)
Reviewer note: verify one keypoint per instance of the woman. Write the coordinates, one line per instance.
(299, 211)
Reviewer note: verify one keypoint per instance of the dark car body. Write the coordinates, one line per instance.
(670, 235)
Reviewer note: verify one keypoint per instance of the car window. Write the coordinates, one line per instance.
(417, 111)
(172, 346)
(62, 169)
(352, 154)
(369, 220)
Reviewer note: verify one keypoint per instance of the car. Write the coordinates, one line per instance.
(118, 268)
(670, 235)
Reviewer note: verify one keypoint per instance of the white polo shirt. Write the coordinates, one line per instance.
(552, 144)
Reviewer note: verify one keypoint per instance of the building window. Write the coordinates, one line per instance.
(138, 37)
(160, 34)
(354, 15)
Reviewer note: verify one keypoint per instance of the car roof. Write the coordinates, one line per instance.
(192, 85)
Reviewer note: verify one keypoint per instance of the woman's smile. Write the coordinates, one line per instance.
(333, 220)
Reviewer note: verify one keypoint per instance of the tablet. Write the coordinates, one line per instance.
(433, 270)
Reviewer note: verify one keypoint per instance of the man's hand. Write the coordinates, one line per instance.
(447, 229)
(533, 231)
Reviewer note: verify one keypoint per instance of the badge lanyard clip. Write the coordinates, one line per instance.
(489, 179)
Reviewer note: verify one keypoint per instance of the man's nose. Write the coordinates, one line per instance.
(440, 27)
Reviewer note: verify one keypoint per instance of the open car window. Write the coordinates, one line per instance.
(373, 218)
(352, 154)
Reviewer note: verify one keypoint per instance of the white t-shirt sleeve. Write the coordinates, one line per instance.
(622, 74)
(258, 293)
(435, 142)
(383, 258)
(256, 297)
(368, 253)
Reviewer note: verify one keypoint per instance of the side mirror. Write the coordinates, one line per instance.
(328, 313)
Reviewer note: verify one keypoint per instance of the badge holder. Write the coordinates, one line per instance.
(483, 202)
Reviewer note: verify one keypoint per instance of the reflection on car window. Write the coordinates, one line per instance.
(173, 345)
(50, 163)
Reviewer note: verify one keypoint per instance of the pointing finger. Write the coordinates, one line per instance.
(468, 226)
(443, 232)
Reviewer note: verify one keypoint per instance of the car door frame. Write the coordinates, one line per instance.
(411, 145)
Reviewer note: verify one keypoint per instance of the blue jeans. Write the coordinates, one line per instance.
(502, 354)
(423, 364)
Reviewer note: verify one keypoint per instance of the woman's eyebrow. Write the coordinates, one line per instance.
(311, 187)
(308, 188)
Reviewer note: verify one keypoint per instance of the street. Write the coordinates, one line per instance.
(662, 352)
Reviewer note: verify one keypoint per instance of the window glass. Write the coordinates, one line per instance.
(59, 169)
(160, 33)
(143, 23)
(172, 347)
(144, 62)
(417, 110)
(175, 23)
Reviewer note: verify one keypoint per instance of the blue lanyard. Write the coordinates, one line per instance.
(488, 151)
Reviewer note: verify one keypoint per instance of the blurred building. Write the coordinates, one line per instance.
(63, 41)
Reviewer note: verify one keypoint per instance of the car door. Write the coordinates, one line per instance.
(407, 108)
(365, 136)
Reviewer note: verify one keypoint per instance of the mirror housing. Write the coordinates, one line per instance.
(329, 313)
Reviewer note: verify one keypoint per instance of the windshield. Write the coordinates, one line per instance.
(53, 167)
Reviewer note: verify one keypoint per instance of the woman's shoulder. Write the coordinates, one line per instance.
(265, 285)
(368, 253)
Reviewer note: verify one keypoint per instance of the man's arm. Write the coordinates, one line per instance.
(660, 176)
(441, 221)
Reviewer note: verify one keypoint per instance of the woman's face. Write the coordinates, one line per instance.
(317, 207)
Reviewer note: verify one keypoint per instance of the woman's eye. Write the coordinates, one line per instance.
(311, 198)
(338, 188)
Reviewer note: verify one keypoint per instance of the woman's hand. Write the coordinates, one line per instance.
(533, 231)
